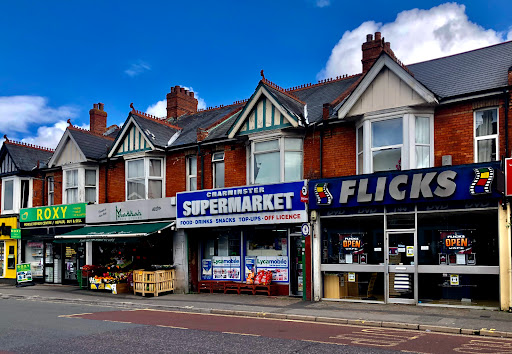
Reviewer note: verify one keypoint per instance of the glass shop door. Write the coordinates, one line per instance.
(401, 264)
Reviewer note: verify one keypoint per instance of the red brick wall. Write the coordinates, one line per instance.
(58, 187)
(208, 171)
(38, 192)
(116, 182)
(235, 165)
(339, 151)
(175, 174)
(312, 155)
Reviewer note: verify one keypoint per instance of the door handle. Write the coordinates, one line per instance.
(400, 268)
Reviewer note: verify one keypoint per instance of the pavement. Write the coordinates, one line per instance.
(423, 318)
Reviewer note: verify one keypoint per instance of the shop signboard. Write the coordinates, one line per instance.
(474, 182)
(249, 205)
(55, 215)
(16, 234)
(23, 273)
(278, 265)
(133, 210)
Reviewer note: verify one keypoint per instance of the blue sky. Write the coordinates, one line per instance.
(60, 57)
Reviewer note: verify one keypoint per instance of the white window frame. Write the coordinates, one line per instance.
(95, 186)
(146, 176)
(81, 182)
(188, 172)
(408, 146)
(215, 163)
(51, 192)
(282, 152)
(486, 137)
(16, 194)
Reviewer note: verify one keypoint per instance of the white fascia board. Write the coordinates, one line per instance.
(62, 145)
(122, 136)
(392, 65)
(261, 91)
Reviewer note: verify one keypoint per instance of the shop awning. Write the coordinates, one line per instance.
(112, 232)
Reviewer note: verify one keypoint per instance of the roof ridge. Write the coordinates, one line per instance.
(467, 51)
(347, 92)
(152, 117)
(282, 90)
(20, 143)
(321, 82)
(71, 126)
(222, 106)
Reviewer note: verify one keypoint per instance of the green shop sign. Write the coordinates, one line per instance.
(16, 233)
(55, 215)
(23, 272)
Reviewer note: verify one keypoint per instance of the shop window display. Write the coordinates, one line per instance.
(354, 285)
(221, 258)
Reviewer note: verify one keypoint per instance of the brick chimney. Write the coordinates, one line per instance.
(180, 101)
(372, 49)
(98, 120)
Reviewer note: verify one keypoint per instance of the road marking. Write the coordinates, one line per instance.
(171, 327)
(76, 314)
(376, 337)
(485, 346)
(322, 342)
(243, 334)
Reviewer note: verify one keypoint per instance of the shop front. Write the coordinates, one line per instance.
(9, 235)
(430, 237)
(52, 262)
(236, 234)
(122, 237)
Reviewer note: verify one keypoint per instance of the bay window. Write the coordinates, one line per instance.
(276, 160)
(486, 135)
(80, 185)
(8, 195)
(394, 142)
(16, 194)
(144, 178)
(90, 186)
(71, 186)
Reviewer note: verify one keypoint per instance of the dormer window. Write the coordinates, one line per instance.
(144, 178)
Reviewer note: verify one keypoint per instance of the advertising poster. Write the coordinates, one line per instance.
(23, 273)
(206, 269)
(278, 265)
(456, 241)
(226, 268)
(250, 265)
(351, 242)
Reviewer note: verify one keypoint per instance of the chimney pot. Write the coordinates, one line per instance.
(95, 106)
(100, 106)
(369, 37)
(377, 36)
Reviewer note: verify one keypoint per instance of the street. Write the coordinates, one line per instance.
(33, 327)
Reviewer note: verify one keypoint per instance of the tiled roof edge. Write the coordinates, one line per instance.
(20, 143)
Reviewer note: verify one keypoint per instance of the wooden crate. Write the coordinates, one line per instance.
(156, 282)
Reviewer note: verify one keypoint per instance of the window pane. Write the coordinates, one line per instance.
(422, 156)
(193, 184)
(218, 156)
(90, 195)
(360, 139)
(387, 160)
(266, 145)
(136, 190)
(360, 166)
(293, 144)
(8, 195)
(90, 177)
(486, 122)
(24, 193)
(50, 184)
(422, 130)
(50, 199)
(71, 195)
(136, 169)
(292, 166)
(155, 168)
(219, 175)
(72, 178)
(486, 150)
(267, 168)
(387, 132)
(192, 166)
(154, 189)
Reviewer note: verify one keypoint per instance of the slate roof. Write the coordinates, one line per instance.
(465, 73)
(157, 132)
(316, 95)
(93, 146)
(26, 157)
(202, 119)
(291, 104)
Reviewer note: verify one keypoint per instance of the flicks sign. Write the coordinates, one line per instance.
(55, 215)
(249, 205)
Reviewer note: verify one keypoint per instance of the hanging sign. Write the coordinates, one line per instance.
(16, 234)
(23, 273)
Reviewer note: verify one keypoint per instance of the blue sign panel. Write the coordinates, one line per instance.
(248, 205)
(464, 182)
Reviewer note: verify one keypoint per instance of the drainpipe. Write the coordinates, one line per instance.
(201, 156)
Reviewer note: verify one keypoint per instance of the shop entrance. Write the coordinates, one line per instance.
(401, 267)
(296, 266)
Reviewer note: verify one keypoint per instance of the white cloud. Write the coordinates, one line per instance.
(137, 68)
(159, 109)
(18, 113)
(323, 3)
(49, 136)
(415, 35)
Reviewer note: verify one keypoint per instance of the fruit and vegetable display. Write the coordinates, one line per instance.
(112, 278)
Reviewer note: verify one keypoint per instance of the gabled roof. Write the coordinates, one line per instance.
(465, 73)
(26, 157)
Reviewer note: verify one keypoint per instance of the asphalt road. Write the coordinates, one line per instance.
(45, 327)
